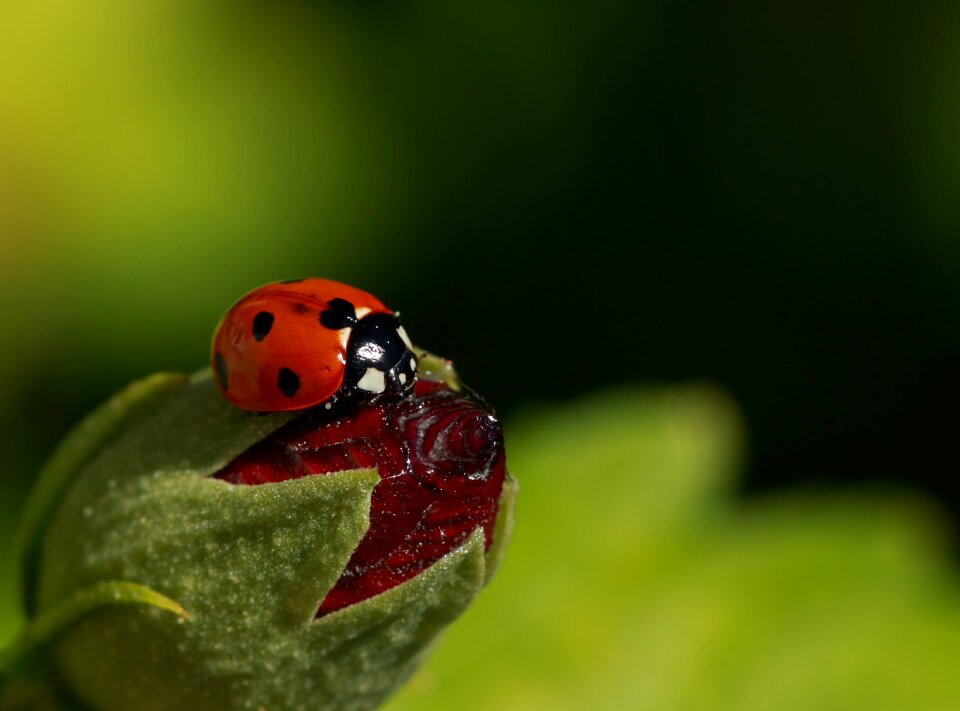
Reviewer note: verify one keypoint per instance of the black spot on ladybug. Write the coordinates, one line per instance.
(338, 314)
(288, 382)
(291, 281)
(262, 323)
(221, 370)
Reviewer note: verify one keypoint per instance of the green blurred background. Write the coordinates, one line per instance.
(586, 205)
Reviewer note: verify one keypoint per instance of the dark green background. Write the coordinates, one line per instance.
(563, 197)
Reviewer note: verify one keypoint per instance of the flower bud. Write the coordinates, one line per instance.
(182, 553)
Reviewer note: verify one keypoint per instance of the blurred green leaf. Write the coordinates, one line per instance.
(10, 615)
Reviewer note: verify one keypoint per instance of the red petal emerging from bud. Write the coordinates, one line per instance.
(441, 463)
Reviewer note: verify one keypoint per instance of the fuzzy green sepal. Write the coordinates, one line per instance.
(248, 564)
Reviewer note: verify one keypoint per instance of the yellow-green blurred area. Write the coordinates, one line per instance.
(582, 204)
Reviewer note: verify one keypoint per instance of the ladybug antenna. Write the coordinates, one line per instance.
(478, 398)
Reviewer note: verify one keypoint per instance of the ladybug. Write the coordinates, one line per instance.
(296, 344)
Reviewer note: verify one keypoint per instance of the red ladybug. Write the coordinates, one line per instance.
(295, 344)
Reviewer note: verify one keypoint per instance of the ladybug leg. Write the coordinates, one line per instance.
(402, 376)
(477, 398)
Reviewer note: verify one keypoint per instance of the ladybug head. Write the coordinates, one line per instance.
(380, 358)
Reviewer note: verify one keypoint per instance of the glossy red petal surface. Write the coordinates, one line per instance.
(441, 463)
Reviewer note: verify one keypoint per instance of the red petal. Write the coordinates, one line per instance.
(441, 463)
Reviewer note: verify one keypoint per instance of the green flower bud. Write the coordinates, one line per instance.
(153, 583)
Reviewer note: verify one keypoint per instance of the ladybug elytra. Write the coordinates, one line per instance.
(296, 344)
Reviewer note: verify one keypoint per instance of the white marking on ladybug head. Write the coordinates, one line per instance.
(404, 337)
(344, 334)
(402, 378)
(373, 381)
(413, 364)
(361, 312)
(370, 351)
